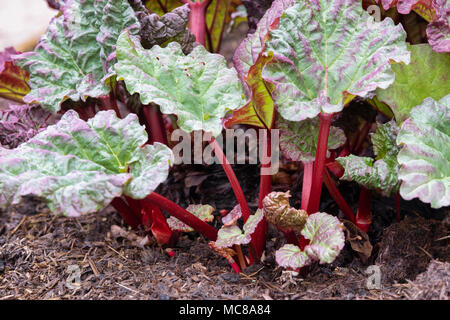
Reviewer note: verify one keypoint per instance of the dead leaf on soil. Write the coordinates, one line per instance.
(359, 241)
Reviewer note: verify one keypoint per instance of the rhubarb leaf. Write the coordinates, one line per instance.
(78, 167)
(198, 88)
(249, 62)
(20, 123)
(298, 140)
(316, 68)
(233, 216)
(203, 212)
(162, 6)
(438, 31)
(425, 154)
(160, 30)
(380, 174)
(422, 7)
(73, 58)
(13, 79)
(426, 76)
(230, 235)
(327, 239)
(279, 212)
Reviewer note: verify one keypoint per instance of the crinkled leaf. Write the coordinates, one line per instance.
(422, 7)
(249, 61)
(13, 79)
(279, 212)
(73, 58)
(198, 88)
(326, 242)
(233, 216)
(78, 167)
(230, 235)
(425, 153)
(426, 76)
(380, 174)
(20, 123)
(438, 31)
(290, 256)
(203, 212)
(298, 140)
(317, 68)
(159, 30)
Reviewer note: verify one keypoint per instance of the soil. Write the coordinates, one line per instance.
(38, 249)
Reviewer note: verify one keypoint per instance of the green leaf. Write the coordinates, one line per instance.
(426, 76)
(381, 174)
(203, 212)
(298, 140)
(425, 153)
(198, 88)
(73, 58)
(328, 51)
(78, 167)
(326, 235)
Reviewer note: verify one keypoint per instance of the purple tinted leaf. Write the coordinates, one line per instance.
(20, 123)
(326, 235)
(438, 31)
(233, 216)
(425, 154)
(298, 140)
(78, 167)
(316, 68)
(74, 57)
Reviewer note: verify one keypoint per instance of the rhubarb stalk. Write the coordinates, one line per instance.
(183, 215)
(154, 123)
(128, 215)
(364, 215)
(308, 169)
(197, 19)
(319, 164)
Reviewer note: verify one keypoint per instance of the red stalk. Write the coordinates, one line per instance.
(197, 19)
(364, 215)
(86, 110)
(154, 123)
(128, 215)
(232, 178)
(337, 196)
(110, 103)
(362, 136)
(183, 215)
(308, 170)
(319, 164)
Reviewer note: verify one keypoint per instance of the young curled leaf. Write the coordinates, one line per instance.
(203, 212)
(298, 140)
(380, 174)
(279, 212)
(78, 167)
(425, 154)
(159, 30)
(198, 88)
(20, 123)
(230, 235)
(74, 57)
(227, 253)
(233, 216)
(317, 68)
(326, 235)
(13, 79)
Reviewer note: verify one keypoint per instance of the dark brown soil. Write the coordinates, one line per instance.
(36, 250)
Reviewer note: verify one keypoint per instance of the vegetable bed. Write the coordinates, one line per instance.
(144, 153)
